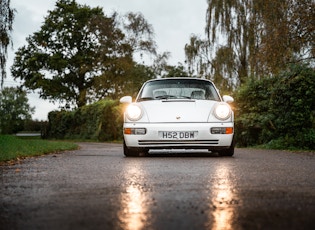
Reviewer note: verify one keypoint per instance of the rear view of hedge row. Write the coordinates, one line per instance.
(100, 121)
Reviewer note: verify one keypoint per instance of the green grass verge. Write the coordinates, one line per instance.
(12, 147)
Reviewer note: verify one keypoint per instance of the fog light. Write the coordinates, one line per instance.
(221, 130)
(135, 131)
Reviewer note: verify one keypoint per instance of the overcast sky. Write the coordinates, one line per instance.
(173, 22)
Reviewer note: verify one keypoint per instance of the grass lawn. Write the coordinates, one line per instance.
(12, 147)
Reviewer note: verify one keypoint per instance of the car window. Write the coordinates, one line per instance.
(178, 89)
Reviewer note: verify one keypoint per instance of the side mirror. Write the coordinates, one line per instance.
(126, 99)
(227, 99)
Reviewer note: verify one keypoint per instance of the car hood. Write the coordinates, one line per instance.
(178, 110)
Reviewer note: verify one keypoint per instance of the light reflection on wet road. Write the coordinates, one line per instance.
(97, 187)
(135, 210)
(223, 194)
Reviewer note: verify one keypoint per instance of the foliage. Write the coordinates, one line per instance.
(117, 84)
(14, 110)
(253, 115)
(252, 38)
(303, 140)
(293, 98)
(139, 33)
(63, 58)
(160, 63)
(35, 126)
(175, 71)
(197, 53)
(6, 20)
(99, 121)
(279, 110)
(13, 147)
(80, 55)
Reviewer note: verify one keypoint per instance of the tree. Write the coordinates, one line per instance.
(197, 54)
(78, 56)
(160, 63)
(126, 76)
(6, 20)
(14, 110)
(75, 44)
(139, 33)
(255, 38)
(287, 34)
(176, 71)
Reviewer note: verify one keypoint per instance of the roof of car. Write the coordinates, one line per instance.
(180, 78)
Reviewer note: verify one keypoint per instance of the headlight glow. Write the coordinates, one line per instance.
(222, 111)
(133, 112)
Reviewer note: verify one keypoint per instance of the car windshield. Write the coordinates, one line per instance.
(178, 89)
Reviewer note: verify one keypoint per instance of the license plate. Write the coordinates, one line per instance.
(177, 134)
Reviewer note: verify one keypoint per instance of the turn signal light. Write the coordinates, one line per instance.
(229, 130)
(222, 130)
(127, 131)
(135, 131)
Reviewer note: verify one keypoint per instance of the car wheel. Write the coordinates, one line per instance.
(228, 152)
(135, 152)
(130, 152)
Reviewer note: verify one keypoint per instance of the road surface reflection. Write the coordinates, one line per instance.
(223, 199)
(134, 210)
(137, 204)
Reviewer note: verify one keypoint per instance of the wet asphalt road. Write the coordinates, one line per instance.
(96, 187)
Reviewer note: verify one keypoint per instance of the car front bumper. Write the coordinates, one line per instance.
(148, 135)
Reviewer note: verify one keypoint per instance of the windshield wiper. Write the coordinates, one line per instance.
(146, 98)
(165, 97)
(186, 97)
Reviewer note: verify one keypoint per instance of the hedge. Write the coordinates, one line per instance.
(278, 111)
(100, 121)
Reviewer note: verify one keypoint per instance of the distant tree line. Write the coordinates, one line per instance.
(252, 39)
(81, 55)
(14, 110)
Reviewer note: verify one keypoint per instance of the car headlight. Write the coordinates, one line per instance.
(133, 112)
(222, 111)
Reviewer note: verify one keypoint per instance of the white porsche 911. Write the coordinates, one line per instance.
(178, 113)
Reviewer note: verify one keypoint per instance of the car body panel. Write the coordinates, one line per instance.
(177, 110)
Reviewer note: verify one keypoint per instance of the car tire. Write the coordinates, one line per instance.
(228, 152)
(135, 152)
(130, 152)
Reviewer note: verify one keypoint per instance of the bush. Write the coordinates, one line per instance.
(304, 140)
(279, 110)
(100, 121)
(253, 117)
(293, 101)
